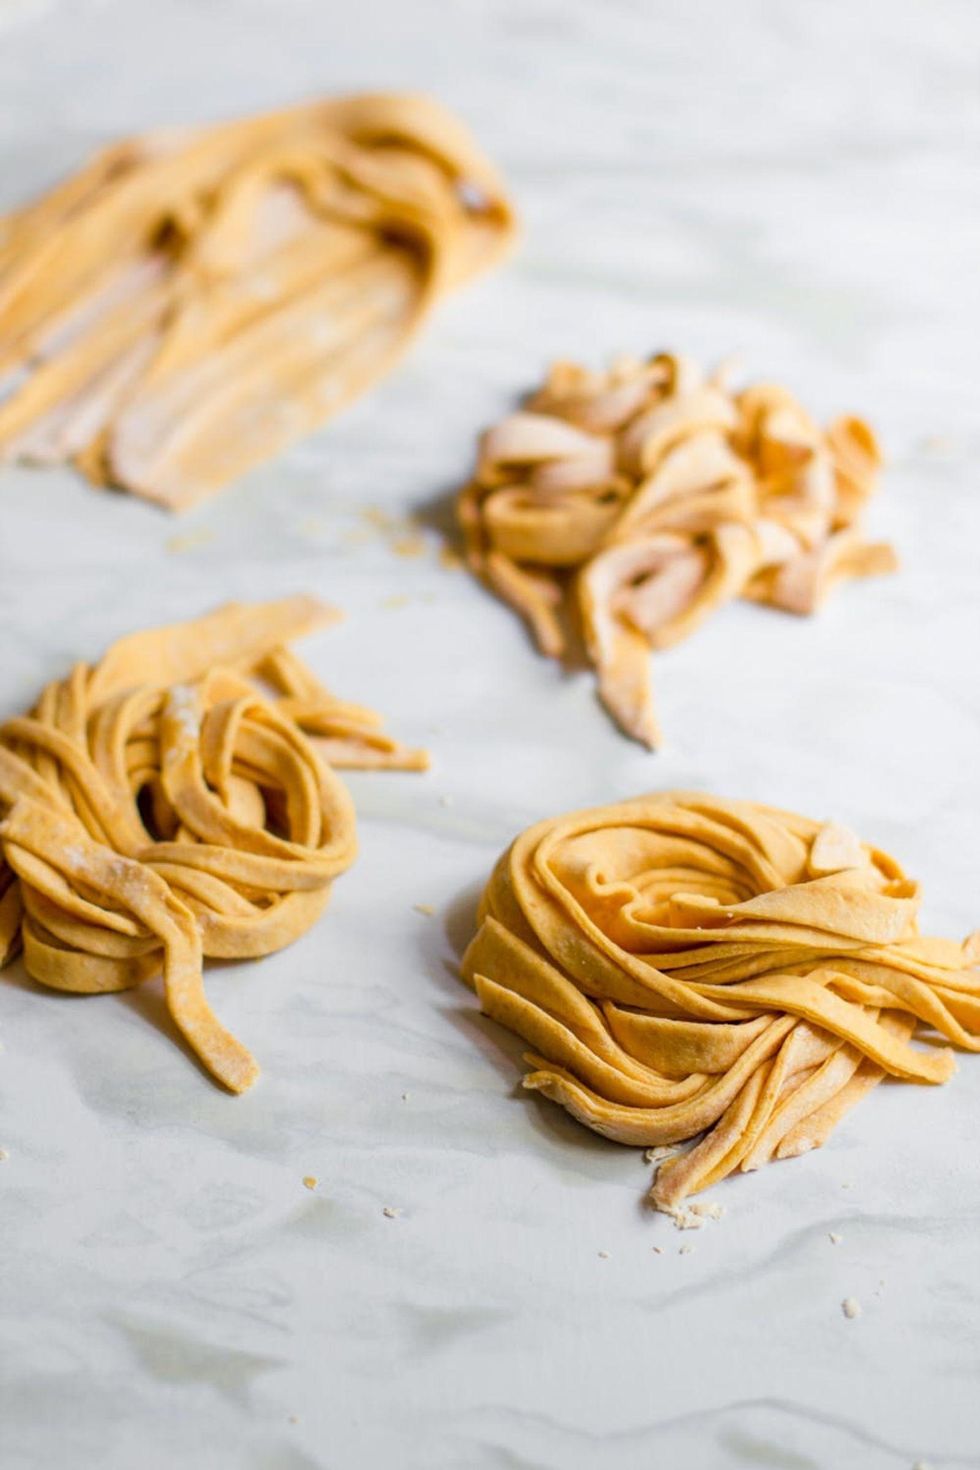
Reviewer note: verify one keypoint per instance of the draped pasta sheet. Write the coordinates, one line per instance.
(178, 800)
(629, 505)
(683, 965)
(194, 300)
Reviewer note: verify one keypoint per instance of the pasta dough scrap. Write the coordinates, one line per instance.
(177, 801)
(687, 967)
(629, 505)
(196, 299)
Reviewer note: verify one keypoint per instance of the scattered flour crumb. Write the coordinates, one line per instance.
(707, 1211)
(685, 1250)
(311, 1181)
(412, 545)
(397, 599)
(4, 1156)
(603, 1255)
(656, 1155)
(445, 801)
(406, 1096)
(921, 1465)
(846, 1185)
(851, 1307)
(183, 707)
(294, 1418)
(685, 1219)
(427, 909)
(693, 1217)
(658, 1250)
(390, 1212)
(378, 518)
(834, 1238)
(189, 540)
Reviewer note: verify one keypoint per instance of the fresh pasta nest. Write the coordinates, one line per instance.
(178, 800)
(682, 965)
(627, 506)
(194, 300)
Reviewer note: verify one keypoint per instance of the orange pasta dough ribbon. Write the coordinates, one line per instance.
(194, 300)
(632, 504)
(686, 966)
(178, 800)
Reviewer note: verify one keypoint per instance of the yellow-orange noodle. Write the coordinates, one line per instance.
(194, 300)
(682, 965)
(631, 504)
(178, 800)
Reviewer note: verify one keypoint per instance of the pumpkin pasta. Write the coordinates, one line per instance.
(627, 506)
(682, 965)
(177, 801)
(194, 300)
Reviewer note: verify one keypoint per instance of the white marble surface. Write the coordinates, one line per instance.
(797, 182)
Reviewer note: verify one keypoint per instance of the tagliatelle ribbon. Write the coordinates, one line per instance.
(683, 965)
(631, 504)
(194, 300)
(178, 801)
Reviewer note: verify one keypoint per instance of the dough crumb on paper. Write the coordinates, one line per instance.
(190, 541)
(708, 1211)
(658, 1154)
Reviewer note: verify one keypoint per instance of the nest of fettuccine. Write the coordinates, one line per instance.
(686, 968)
(627, 506)
(179, 800)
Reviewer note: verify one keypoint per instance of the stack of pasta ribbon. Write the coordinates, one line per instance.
(196, 299)
(685, 965)
(178, 800)
(631, 504)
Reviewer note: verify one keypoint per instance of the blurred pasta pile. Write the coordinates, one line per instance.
(627, 506)
(194, 300)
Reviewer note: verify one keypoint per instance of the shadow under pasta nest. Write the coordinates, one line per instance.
(500, 1047)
